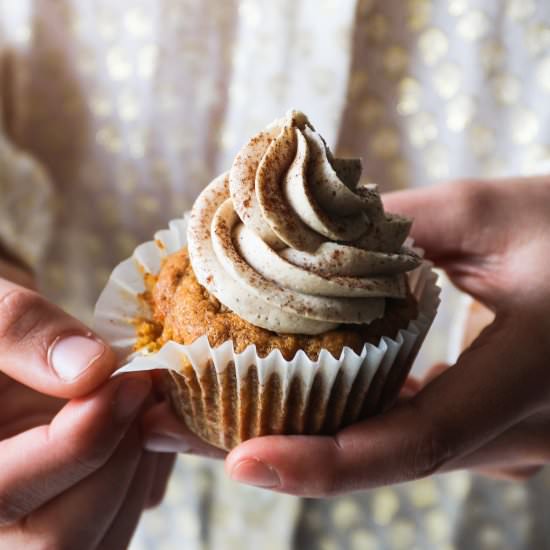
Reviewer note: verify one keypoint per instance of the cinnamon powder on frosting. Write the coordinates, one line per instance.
(183, 311)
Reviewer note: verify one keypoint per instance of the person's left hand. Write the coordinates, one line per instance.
(72, 465)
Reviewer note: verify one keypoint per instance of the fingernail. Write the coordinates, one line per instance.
(160, 443)
(71, 356)
(253, 471)
(130, 396)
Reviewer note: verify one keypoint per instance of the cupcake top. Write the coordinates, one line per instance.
(291, 241)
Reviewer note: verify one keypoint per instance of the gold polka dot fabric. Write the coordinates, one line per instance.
(448, 78)
(114, 115)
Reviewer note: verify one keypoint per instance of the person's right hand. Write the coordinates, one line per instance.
(490, 411)
(72, 473)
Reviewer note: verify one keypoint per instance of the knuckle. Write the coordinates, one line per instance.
(9, 512)
(477, 197)
(429, 456)
(431, 450)
(21, 312)
(473, 203)
(470, 189)
(87, 455)
(328, 480)
(91, 459)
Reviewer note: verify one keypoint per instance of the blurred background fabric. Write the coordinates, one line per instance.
(114, 115)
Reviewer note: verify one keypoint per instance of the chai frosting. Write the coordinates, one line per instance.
(292, 242)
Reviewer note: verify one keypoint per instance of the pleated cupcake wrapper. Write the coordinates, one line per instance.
(227, 397)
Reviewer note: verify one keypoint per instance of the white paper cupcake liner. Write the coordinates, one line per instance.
(311, 396)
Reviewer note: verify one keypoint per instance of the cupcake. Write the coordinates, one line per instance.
(287, 302)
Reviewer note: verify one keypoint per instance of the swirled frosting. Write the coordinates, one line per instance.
(290, 240)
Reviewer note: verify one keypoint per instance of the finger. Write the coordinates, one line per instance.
(510, 474)
(121, 531)
(44, 348)
(411, 386)
(23, 408)
(453, 218)
(163, 432)
(467, 406)
(439, 214)
(41, 463)
(446, 217)
(164, 467)
(525, 445)
(433, 373)
(82, 515)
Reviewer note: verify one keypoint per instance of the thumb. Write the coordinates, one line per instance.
(47, 350)
(463, 409)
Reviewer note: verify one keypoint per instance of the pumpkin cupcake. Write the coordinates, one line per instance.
(287, 302)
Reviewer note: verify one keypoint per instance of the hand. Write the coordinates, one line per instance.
(490, 411)
(72, 474)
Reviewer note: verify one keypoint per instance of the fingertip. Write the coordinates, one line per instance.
(285, 452)
(247, 456)
(101, 370)
(297, 465)
(81, 364)
(234, 457)
(411, 387)
(250, 449)
(46, 349)
(163, 471)
(434, 372)
(255, 472)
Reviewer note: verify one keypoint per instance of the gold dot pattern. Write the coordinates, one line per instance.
(473, 25)
(433, 45)
(458, 7)
(419, 14)
(506, 88)
(395, 60)
(125, 110)
(447, 79)
(537, 38)
(460, 112)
